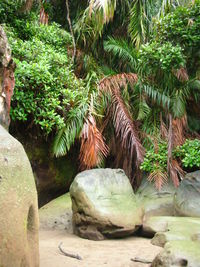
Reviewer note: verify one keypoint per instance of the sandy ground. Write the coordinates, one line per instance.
(108, 253)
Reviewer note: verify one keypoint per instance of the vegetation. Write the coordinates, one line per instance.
(189, 153)
(127, 86)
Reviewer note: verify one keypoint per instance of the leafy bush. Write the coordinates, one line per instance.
(189, 153)
(182, 26)
(8, 9)
(165, 57)
(47, 93)
(155, 159)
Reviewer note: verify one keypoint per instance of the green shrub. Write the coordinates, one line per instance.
(155, 159)
(189, 153)
(182, 26)
(160, 57)
(8, 9)
(47, 92)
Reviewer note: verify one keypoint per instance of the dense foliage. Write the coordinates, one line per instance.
(156, 159)
(46, 87)
(189, 153)
(134, 78)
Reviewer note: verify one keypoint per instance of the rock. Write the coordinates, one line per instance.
(187, 197)
(179, 254)
(19, 245)
(53, 176)
(156, 203)
(57, 214)
(172, 228)
(7, 81)
(178, 228)
(104, 204)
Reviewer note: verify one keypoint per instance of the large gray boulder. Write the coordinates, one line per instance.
(104, 204)
(187, 197)
(179, 254)
(156, 203)
(19, 245)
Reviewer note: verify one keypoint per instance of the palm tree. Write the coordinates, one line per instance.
(146, 97)
(160, 91)
(140, 19)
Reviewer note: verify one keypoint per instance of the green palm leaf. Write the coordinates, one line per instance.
(121, 49)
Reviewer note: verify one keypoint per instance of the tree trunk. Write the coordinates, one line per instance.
(27, 6)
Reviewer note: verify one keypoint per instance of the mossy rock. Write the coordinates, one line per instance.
(19, 244)
(179, 254)
(172, 228)
(154, 202)
(53, 175)
(57, 214)
(187, 197)
(104, 204)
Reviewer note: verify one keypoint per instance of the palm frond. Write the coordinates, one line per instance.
(93, 148)
(179, 126)
(176, 172)
(167, 5)
(144, 109)
(159, 97)
(104, 7)
(159, 178)
(122, 50)
(117, 81)
(139, 22)
(175, 137)
(66, 136)
(122, 120)
(178, 102)
(59, 145)
(126, 129)
(181, 74)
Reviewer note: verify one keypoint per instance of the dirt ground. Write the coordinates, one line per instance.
(108, 253)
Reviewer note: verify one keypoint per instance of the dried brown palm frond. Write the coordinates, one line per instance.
(120, 157)
(44, 17)
(159, 178)
(175, 137)
(93, 148)
(181, 74)
(108, 84)
(123, 123)
(179, 126)
(126, 130)
(176, 172)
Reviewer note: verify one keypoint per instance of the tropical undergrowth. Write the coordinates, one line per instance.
(127, 92)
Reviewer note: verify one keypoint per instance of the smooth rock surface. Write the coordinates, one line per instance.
(156, 203)
(19, 244)
(172, 228)
(179, 254)
(187, 197)
(53, 176)
(57, 214)
(104, 204)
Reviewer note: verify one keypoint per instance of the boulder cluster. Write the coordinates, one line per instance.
(104, 205)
